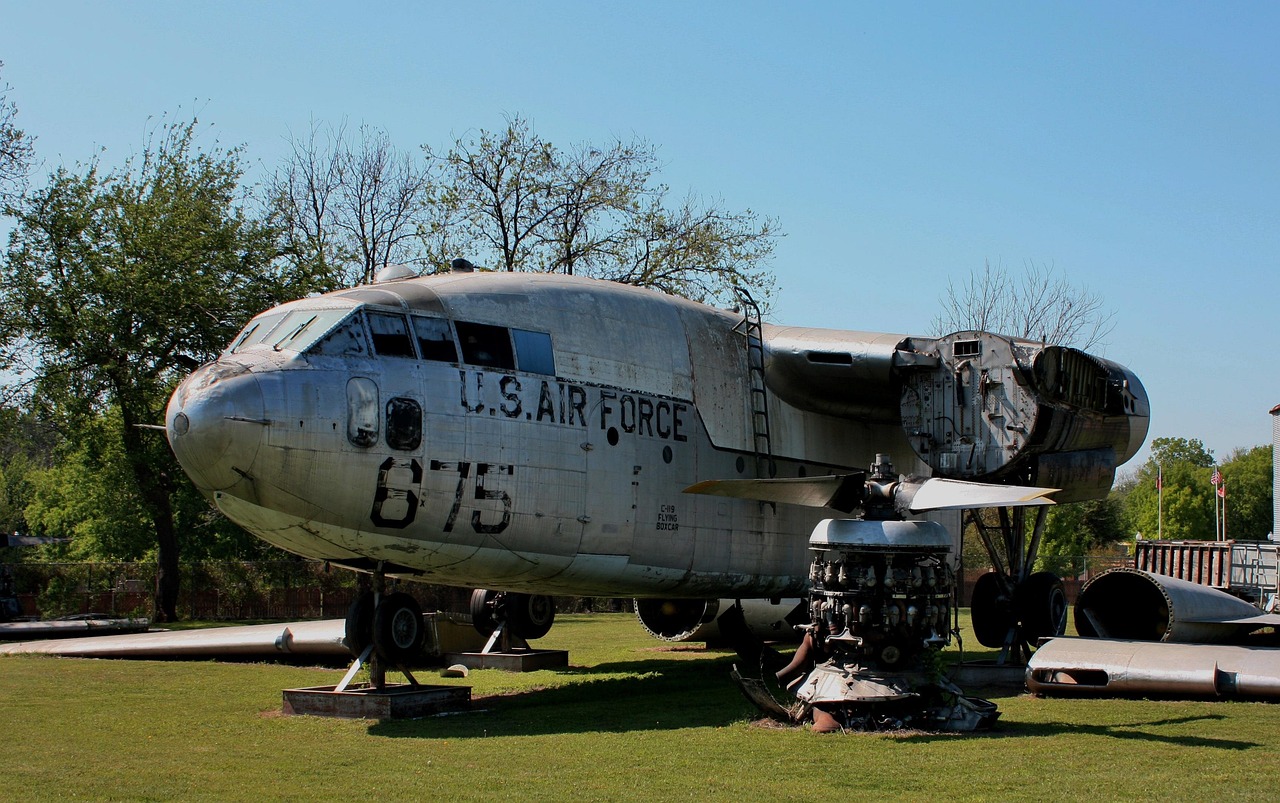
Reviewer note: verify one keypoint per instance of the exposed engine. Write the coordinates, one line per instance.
(879, 611)
(974, 405)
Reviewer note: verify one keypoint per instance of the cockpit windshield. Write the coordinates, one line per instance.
(294, 330)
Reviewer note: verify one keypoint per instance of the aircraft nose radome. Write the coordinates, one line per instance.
(215, 423)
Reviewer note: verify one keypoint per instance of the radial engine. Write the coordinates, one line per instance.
(880, 604)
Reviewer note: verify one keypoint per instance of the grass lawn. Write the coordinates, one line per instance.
(632, 719)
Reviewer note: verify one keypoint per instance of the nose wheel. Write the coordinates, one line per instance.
(383, 629)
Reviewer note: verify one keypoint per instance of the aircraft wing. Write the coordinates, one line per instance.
(848, 492)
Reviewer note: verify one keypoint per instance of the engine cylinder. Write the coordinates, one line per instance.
(881, 590)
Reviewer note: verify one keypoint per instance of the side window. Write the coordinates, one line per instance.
(435, 341)
(533, 352)
(362, 411)
(404, 424)
(348, 339)
(485, 345)
(390, 335)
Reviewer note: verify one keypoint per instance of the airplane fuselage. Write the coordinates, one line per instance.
(536, 433)
(510, 431)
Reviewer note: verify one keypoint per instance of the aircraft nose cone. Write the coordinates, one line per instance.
(215, 423)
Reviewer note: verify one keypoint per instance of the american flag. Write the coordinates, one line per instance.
(1216, 479)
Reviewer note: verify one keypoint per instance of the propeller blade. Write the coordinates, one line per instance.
(943, 494)
(843, 492)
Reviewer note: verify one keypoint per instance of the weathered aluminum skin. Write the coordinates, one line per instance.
(1110, 666)
(1129, 603)
(519, 480)
(297, 638)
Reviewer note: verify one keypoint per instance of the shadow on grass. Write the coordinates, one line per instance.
(1130, 731)
(655, 695)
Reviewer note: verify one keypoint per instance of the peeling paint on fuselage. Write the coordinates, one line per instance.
(560, 484)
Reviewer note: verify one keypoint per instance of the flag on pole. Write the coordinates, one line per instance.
(1216, 479)
(1159, 478)
(1222, 490)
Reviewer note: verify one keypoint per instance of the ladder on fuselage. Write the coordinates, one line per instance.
(757, 387)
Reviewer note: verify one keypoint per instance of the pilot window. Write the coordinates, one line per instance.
(390, 335)
(346, 339)
(435, 340)
(485, 345)
(256, 332)
(533, 352)
(302, 327)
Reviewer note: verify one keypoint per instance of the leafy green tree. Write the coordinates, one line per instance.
(1074, 531)
(115, 283)
(1249, 489)
(1183, 508)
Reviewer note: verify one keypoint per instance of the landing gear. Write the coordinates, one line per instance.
(522, 616)
(1012, 606)
(383, 629)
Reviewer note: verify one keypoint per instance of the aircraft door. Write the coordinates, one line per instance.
(612, 474)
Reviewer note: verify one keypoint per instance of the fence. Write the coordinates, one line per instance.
(234, 591)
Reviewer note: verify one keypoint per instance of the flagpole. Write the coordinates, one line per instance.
(1217, 521)
(1159, 501)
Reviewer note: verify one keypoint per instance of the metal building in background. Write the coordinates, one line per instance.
(1275, 477)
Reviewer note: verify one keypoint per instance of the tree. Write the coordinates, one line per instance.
(1249, 506)
(1074, 531)
(1042, 306)
(115, 282)
(517, 202)
(17, 150)
(350, 207)
(1171, 496)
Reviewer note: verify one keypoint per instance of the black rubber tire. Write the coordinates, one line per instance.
(1041, 605)
(990, 609)
(359, 628)
(482, 615)
(530, 616)
(398, 629)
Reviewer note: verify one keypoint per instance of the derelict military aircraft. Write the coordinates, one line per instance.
(532, 434)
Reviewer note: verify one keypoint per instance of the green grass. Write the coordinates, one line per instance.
(633, 719)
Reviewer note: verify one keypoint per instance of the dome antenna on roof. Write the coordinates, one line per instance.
(394, 273)
(461, 265)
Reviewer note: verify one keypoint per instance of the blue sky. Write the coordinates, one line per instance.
(1134, 147)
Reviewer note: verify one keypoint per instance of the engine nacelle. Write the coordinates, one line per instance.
(973, 405)
(696, 619)
(991, 408)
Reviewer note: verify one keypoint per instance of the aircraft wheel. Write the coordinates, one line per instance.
(990, 608)
(359, 628)
(398, 629)
(1041, 603)
(530, 616)
(482, 613)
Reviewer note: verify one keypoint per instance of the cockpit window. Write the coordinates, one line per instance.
(391, 335)
(485, 345)
(435, 339)
(347, 339)
(257, 331)
(294, 330)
